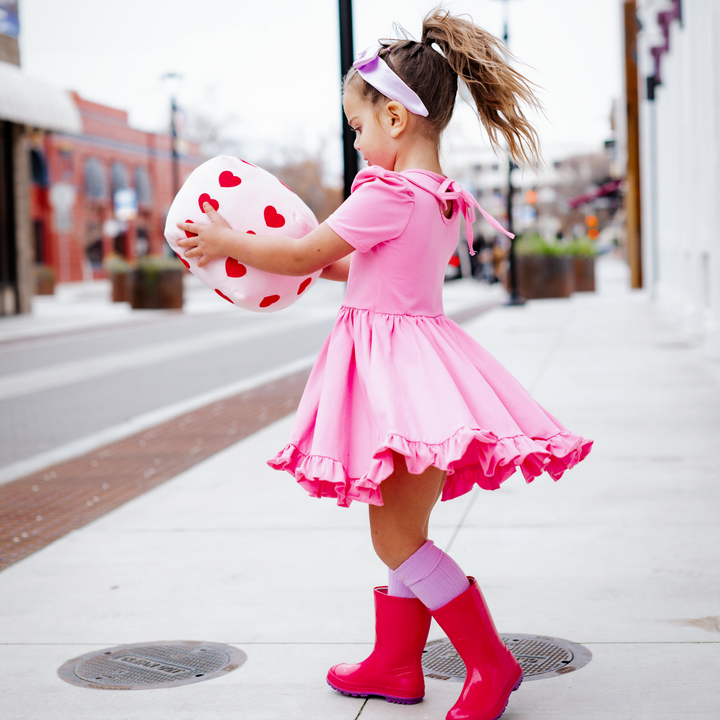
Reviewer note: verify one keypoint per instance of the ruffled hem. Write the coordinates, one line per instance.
(470, 457)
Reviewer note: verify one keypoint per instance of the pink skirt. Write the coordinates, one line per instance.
(421, 387)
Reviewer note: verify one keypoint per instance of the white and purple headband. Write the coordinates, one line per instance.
(378, 73)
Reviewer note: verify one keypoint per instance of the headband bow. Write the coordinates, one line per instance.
(378, 73)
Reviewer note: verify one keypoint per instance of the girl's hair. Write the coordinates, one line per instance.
(481, 61)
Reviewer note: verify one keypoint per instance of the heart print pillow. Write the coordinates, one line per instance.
(250, 200)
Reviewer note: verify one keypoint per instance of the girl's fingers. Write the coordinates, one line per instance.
(188, 227)
(214, 216)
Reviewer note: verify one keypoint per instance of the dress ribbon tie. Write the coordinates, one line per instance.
(467, 202)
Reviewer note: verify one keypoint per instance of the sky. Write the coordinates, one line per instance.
(268, 71)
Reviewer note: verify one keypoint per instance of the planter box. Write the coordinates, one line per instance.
(157, 289)
(584, 268)
(45, 283)
(545, 276)
(121, 285)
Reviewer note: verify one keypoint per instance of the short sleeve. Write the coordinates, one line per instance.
(378, 209)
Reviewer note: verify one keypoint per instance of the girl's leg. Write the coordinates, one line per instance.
(395, 586)
(399, 526)
(399, 535)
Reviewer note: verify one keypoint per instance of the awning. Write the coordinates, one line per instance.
(607, 189)
(27, 101)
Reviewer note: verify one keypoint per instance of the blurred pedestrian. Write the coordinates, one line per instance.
(403, 407)
(500, 253)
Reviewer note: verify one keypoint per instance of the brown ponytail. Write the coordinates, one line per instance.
(479, 59)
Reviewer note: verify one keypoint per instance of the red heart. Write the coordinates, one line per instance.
(183, 261)
(303, 285)
(273, 218)
(227, 179)
(269, 300)
(223, 296)
(205, 198)
(251, 232)
(189, 234)
(246, 162)
(234, 269)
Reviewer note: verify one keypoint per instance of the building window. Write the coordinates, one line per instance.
(94, 180)
(38, 168)
(40, 242)
(118, 173)
(143, 186)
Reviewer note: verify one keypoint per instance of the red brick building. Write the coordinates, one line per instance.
(103, 192)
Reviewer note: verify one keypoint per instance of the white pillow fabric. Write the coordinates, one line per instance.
(250, 199)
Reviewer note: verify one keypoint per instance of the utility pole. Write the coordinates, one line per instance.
(632, 173)
(347, 56)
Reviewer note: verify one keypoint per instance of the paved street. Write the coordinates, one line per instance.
(61, 386)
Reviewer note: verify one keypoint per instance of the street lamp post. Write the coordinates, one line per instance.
(515, 298)
(174, 133)
(347, 55)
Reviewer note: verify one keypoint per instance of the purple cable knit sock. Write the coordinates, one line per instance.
(434, 577)
(397, 588)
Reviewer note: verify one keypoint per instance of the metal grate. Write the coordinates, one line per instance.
(146, 666)
(539, 657)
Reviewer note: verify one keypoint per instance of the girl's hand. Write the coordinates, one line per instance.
(338, 270)
(207, 242)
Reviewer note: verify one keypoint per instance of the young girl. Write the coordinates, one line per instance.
(402, 407)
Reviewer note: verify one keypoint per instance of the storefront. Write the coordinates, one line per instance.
(26, 106)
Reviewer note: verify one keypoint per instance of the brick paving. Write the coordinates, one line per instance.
(44, 506)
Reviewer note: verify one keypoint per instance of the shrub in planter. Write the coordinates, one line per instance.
(120, 272)
(544, 268)
(44, 280)
(583, 252)
(158, 284)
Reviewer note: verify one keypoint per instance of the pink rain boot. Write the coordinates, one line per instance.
(492, 671)
(393, 669)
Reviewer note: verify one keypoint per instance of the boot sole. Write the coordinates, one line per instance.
(515, 687)
(389, 698)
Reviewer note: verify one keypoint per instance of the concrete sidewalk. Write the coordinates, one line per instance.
(621, 556)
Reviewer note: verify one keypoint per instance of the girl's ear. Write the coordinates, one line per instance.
(396, 118)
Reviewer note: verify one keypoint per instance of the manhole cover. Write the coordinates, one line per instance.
(539, 657)
(145, 666)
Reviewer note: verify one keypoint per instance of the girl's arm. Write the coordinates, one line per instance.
(338, 271)
(272, 253)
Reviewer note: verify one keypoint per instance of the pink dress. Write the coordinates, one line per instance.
(397, 375)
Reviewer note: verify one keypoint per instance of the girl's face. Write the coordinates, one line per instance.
(372, 137)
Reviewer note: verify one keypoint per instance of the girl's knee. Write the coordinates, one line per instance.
(395, 548)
